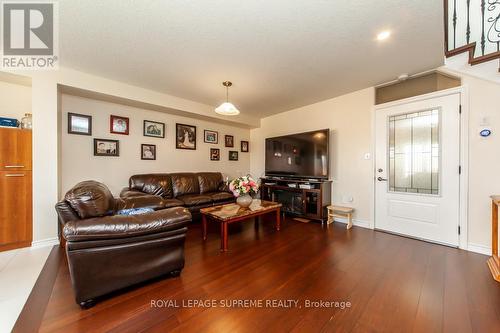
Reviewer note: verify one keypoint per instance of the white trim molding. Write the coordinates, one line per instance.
(45, 242)
(478, 248)
(356, 222)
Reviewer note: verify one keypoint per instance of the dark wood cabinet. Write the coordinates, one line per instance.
(302, 198)
(15, 188)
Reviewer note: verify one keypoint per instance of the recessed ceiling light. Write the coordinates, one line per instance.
(384, 35)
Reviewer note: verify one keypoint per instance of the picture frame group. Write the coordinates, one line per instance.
(185, 137)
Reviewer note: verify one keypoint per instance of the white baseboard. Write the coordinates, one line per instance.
(45, 242)
(356, 222)
(477, 248)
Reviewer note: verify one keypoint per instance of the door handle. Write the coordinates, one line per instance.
(15, 175)
(14, 166)
(380, 179)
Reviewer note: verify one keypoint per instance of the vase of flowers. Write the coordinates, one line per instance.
(242, 188)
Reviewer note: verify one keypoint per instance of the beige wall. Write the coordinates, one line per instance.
(484, 157)
(78, 162)
(15, 100)
(349, 119)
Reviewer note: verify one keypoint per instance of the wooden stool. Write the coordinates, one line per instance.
(339, 211)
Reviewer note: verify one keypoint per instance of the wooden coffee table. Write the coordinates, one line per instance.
(230, 213)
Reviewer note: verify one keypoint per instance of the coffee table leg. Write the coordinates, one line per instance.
(204, 226)
(278, 219)
(223, 236)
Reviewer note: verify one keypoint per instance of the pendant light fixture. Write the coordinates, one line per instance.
(226, 108)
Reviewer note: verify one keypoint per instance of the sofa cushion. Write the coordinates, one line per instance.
(209, 181)
(172, 203)
(140, 201)
(126, 193)
(184, 183)
(123, 226)
(195, 199)
(153, 183)
(90, 199)
(220, 196)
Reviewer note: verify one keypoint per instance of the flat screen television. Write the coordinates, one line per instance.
(302, 155)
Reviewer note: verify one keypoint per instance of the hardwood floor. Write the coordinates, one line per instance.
(393, 284)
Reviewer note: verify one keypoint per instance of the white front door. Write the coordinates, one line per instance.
(417, 169)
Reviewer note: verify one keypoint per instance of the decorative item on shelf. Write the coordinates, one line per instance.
(185, 136)
(226, 108)
(27, 121)
(214, 154)
(148, 152)
(242, 188)
(154, 129)
(244, 146)
(211, 136)
(9, 122)
(79, 124)
(119, 125)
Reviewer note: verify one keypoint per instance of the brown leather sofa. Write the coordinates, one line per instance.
(191, 190)
(108, 252)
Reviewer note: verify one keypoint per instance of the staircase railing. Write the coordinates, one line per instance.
(472, 26)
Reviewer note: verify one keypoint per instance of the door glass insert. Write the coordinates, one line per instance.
(414, 152)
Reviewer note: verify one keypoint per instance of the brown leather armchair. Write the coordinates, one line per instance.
(108, 252)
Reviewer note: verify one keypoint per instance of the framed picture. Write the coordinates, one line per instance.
(105, 147)
(214, 154)
(229, 140)
(148, 152)
(154, 129)
(233, 155)
(79, 124)
(244, 146)
(118, 125)
(211, 136)
(185, 136)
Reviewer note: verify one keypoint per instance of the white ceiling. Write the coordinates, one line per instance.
(280, 54)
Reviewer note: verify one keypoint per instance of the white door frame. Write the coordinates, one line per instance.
(464, 154)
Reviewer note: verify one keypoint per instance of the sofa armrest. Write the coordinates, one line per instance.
(224, 187)
(123, 226)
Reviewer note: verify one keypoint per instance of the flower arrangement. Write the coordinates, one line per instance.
(243, 185)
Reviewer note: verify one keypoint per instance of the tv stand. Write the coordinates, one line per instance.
(306, 198)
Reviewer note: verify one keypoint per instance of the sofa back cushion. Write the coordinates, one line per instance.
(153, 183)
(185, 183)
(209, 181)
(90, 199)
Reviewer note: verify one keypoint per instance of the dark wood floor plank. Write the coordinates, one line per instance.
(394, 284)
(429, 317)
(456, 312)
